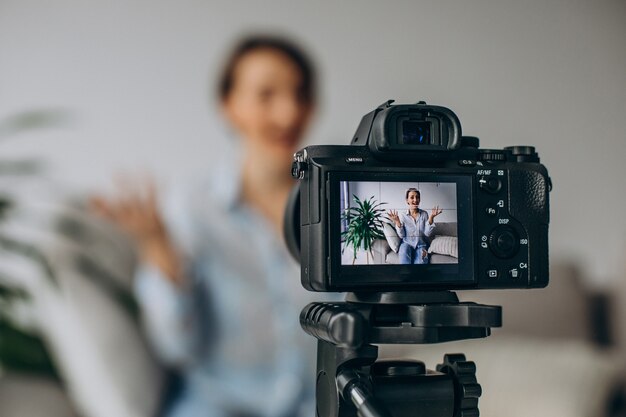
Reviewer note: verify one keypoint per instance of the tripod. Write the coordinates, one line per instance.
(350, 380)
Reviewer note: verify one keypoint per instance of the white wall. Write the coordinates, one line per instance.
(134, 78)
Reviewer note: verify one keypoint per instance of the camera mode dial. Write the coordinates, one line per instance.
(523, 153)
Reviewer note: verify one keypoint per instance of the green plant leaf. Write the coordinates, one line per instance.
(364, 224)
(22, 352)
(30, 251)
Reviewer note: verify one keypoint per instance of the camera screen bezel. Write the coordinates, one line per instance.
(403, 277)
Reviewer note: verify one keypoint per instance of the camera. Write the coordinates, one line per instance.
(407, 213)
(413, 205)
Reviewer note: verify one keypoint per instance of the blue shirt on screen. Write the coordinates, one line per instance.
(415, 232)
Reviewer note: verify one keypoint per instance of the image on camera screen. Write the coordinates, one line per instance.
(398, 223)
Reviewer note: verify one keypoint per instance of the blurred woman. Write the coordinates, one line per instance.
(219, 293)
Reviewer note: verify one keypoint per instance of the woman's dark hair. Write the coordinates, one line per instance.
(257, 42)
(406, 197)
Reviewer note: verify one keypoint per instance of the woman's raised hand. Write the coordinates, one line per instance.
(434, 212)
(394, 217)
(135, 210)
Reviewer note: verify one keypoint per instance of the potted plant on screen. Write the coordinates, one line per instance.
(364, 226)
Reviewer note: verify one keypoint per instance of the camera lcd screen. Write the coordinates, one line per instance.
(387, 223)
(415, 133)
(383, 236)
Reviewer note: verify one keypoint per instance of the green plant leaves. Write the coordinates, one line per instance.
(22, 352)
(364, 225)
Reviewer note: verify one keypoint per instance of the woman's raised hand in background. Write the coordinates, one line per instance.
(135, 210)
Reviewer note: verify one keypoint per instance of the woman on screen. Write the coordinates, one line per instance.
(414, 227)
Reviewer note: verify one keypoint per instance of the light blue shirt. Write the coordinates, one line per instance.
(234, 329)
(415, 232)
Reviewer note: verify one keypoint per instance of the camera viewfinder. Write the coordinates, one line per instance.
(416, 133)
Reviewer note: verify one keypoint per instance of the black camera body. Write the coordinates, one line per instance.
(481, 220)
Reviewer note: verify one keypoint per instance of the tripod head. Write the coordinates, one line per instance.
(350, 380)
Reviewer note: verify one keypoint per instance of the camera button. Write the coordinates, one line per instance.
(354, 160)
(516, 274)
(467, 162)
(492, 273)
(491, 211)
(490, 184)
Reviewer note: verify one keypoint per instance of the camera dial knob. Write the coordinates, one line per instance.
(490, 155)
(523, 153)
(504, 242)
